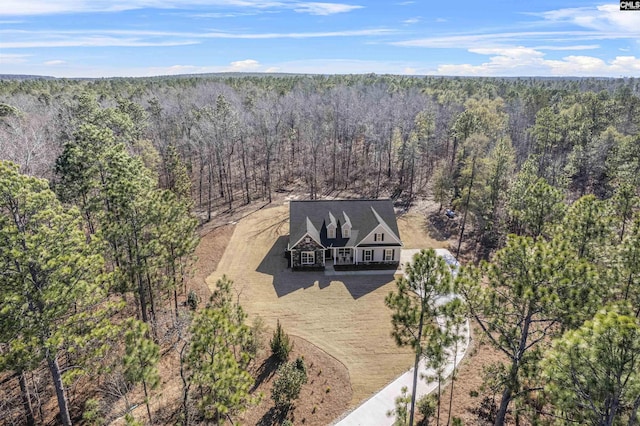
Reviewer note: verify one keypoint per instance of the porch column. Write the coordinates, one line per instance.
(334, 256)
(323, 257)
(355, 254)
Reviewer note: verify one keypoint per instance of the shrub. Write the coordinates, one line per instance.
(401, 410)
(92, 414)
(287, 386)
(426, 405)
(280, 344)
(129, 420)
(300, 365)
(255, 343)
(192, 300)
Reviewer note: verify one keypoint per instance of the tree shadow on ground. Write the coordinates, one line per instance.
(286, 281)
(440, 227)
(266, 370)
(274, 416)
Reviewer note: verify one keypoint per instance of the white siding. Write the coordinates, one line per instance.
(388, 238)
(378, 254)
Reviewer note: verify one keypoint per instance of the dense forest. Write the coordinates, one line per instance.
(105, 183)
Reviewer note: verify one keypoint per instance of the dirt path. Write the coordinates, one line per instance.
(346, 319)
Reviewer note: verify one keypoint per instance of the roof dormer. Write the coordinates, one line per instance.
(331, 226)
(346, 226)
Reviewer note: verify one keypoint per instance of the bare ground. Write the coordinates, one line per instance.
(325, 396)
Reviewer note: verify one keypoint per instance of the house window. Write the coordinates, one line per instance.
(307, 239)
(308, 257)
(343, 252)
(388, 255)
(346, 232)
(378, 237)
(367, 255)
(331, 232)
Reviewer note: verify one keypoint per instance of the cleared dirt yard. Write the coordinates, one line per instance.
(346, 318)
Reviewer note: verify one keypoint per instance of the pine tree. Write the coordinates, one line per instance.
(535, 208)
(629, 265)
(280, 344)
(51, 280)
(141, 358)
(150, 232)
(217, 361)
(593, 373)
(413, 306)
(531, 290)
(587, 228)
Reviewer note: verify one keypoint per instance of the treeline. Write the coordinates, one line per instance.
(243, 138)
(95, 264)
(99, 255)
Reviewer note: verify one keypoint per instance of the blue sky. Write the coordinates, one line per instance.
(104, 38)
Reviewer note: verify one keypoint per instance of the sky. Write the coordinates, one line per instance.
(134, 38)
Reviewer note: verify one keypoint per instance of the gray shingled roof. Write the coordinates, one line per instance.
(312, 216)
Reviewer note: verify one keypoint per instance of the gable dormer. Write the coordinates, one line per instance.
(331, 226)
(346, 226)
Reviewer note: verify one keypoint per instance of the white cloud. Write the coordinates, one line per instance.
(54, 62)
(342, 66)
(347, 33)
(412, 21)
(467, 41)
(312, 66)
(324, 9)
(135, 38)
(8, 58)
(603, 22)
(47, 7)
(219, 15)
(606, 17)
(91, 41)
(572, 47)
(522, 61)
(244, 66)
(518, 52)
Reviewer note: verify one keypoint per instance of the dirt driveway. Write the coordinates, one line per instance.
(347, 319)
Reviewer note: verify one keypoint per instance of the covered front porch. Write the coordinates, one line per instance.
(342, 255)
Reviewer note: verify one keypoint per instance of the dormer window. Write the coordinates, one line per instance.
(378, 237)
(331, 232)
(346, 231)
